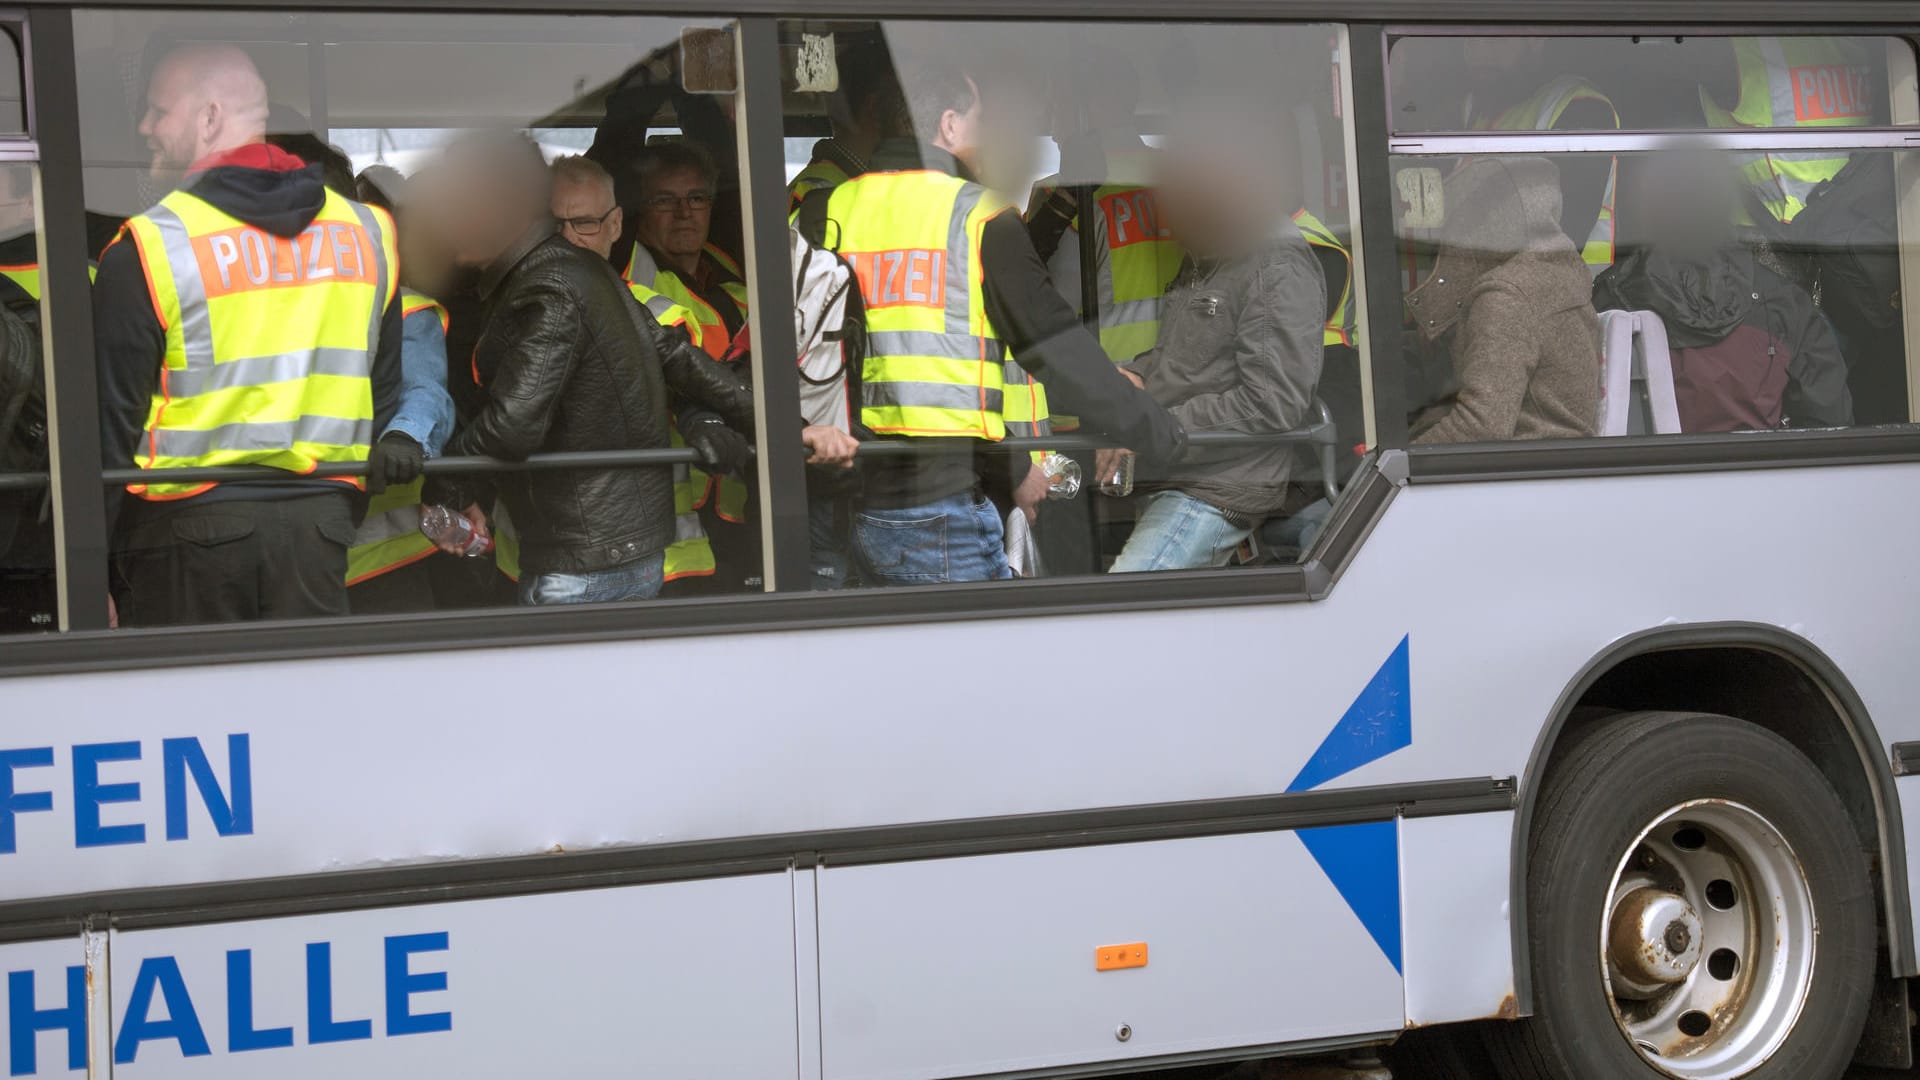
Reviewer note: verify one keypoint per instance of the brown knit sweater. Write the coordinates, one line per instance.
(1516, 301)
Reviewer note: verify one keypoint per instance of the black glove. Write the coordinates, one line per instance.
(396, 460)
(720, 448)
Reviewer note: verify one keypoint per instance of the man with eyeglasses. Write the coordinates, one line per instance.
(677, 184)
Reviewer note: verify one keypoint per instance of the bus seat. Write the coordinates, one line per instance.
(1636, 391)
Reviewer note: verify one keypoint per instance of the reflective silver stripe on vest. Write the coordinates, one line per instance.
(960, 261)
(1779, 83)
(393, 524)
(1130, 312)
(269, 435)
(266, 370)
(371, 223)
(921, 395)
(659, 307)
(962, 346)
(196, 327)
(687, 527)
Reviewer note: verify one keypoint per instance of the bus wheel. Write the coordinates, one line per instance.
(1700, 909)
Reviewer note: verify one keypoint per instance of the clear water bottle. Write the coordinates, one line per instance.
(1120, 484)
(450, 528)
(1063, 475)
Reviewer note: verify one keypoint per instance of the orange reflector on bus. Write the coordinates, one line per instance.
(1116, 957)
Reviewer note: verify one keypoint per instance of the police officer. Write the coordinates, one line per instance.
(952, 284)
(865, 112)
(1817, 82)
(252, 317)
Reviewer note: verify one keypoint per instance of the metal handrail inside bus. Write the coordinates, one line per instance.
(1319, 435)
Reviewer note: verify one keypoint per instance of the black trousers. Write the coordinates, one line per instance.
(235, 561)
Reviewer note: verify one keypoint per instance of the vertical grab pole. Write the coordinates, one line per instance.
(776, 374)
(80, 519)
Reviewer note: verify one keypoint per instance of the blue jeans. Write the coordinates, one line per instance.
(1179, 532)
(1303, 528)
(635, 581)
(827, 542)
(959, 538)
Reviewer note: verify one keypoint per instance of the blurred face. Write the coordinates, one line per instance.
(676, 212)
(175, 121)
(1503, 62)
(1009, 128)
(468, 214)
(587, 214)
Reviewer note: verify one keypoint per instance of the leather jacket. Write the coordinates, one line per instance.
(572, 362)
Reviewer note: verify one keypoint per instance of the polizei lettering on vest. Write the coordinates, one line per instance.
(245, 258)
(99, 774)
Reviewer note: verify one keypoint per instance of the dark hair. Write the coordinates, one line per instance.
(676, 155)
(337, 167)
(932, 90)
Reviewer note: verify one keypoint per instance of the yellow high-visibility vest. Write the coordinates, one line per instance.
(819, 173)
(390, 537)
(27, 276)
(935, 366)
(269, 340)
(1540, 113)
(1788, 82)
(1339, 329)
(705, 326)
(691, 553)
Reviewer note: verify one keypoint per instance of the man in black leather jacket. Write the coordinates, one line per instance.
(571, 362)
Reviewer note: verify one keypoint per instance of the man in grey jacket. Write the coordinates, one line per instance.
(1239, 342)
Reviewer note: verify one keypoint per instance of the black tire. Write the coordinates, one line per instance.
(1612, 786)
(1454, 1052)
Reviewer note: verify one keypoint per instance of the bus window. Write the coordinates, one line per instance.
(28, 596)
(262, 340)
(1563, 280)
(1184, 192)
(1645, 82)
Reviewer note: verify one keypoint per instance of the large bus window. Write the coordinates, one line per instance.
(413, 299)
(1076, 246)
(1742, 271)
(28, 596)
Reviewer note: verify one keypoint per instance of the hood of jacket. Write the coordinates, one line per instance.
(261, 185)
(1502, 217)
(1702, 295)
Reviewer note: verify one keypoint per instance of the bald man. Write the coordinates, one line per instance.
(252, 317)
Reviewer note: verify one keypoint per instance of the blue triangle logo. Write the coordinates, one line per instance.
(1378, 722)
(1363, 862)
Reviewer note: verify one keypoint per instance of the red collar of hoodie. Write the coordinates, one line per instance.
(250, 156)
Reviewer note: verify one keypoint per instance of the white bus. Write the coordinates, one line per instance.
(1582, 758)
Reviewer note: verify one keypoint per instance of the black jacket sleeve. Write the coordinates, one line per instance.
(129, 347)
(1048, 339)
(698, 379)
(1817, 394)
(535, 362)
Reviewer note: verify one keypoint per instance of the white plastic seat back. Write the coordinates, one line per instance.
(1636, 389)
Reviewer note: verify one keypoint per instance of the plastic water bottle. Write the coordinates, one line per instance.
(1120, 484)
(450, 528)
(1063, 475)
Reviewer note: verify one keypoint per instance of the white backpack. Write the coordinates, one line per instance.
(829, 324)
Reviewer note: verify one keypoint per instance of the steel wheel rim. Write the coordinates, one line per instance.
(1707, 941)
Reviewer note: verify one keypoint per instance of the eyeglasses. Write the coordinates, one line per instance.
(666, 202)
(589, 226)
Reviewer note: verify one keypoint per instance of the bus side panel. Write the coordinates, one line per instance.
(1454, 876)
(653, 980)
(987, 964)
(44, 987)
